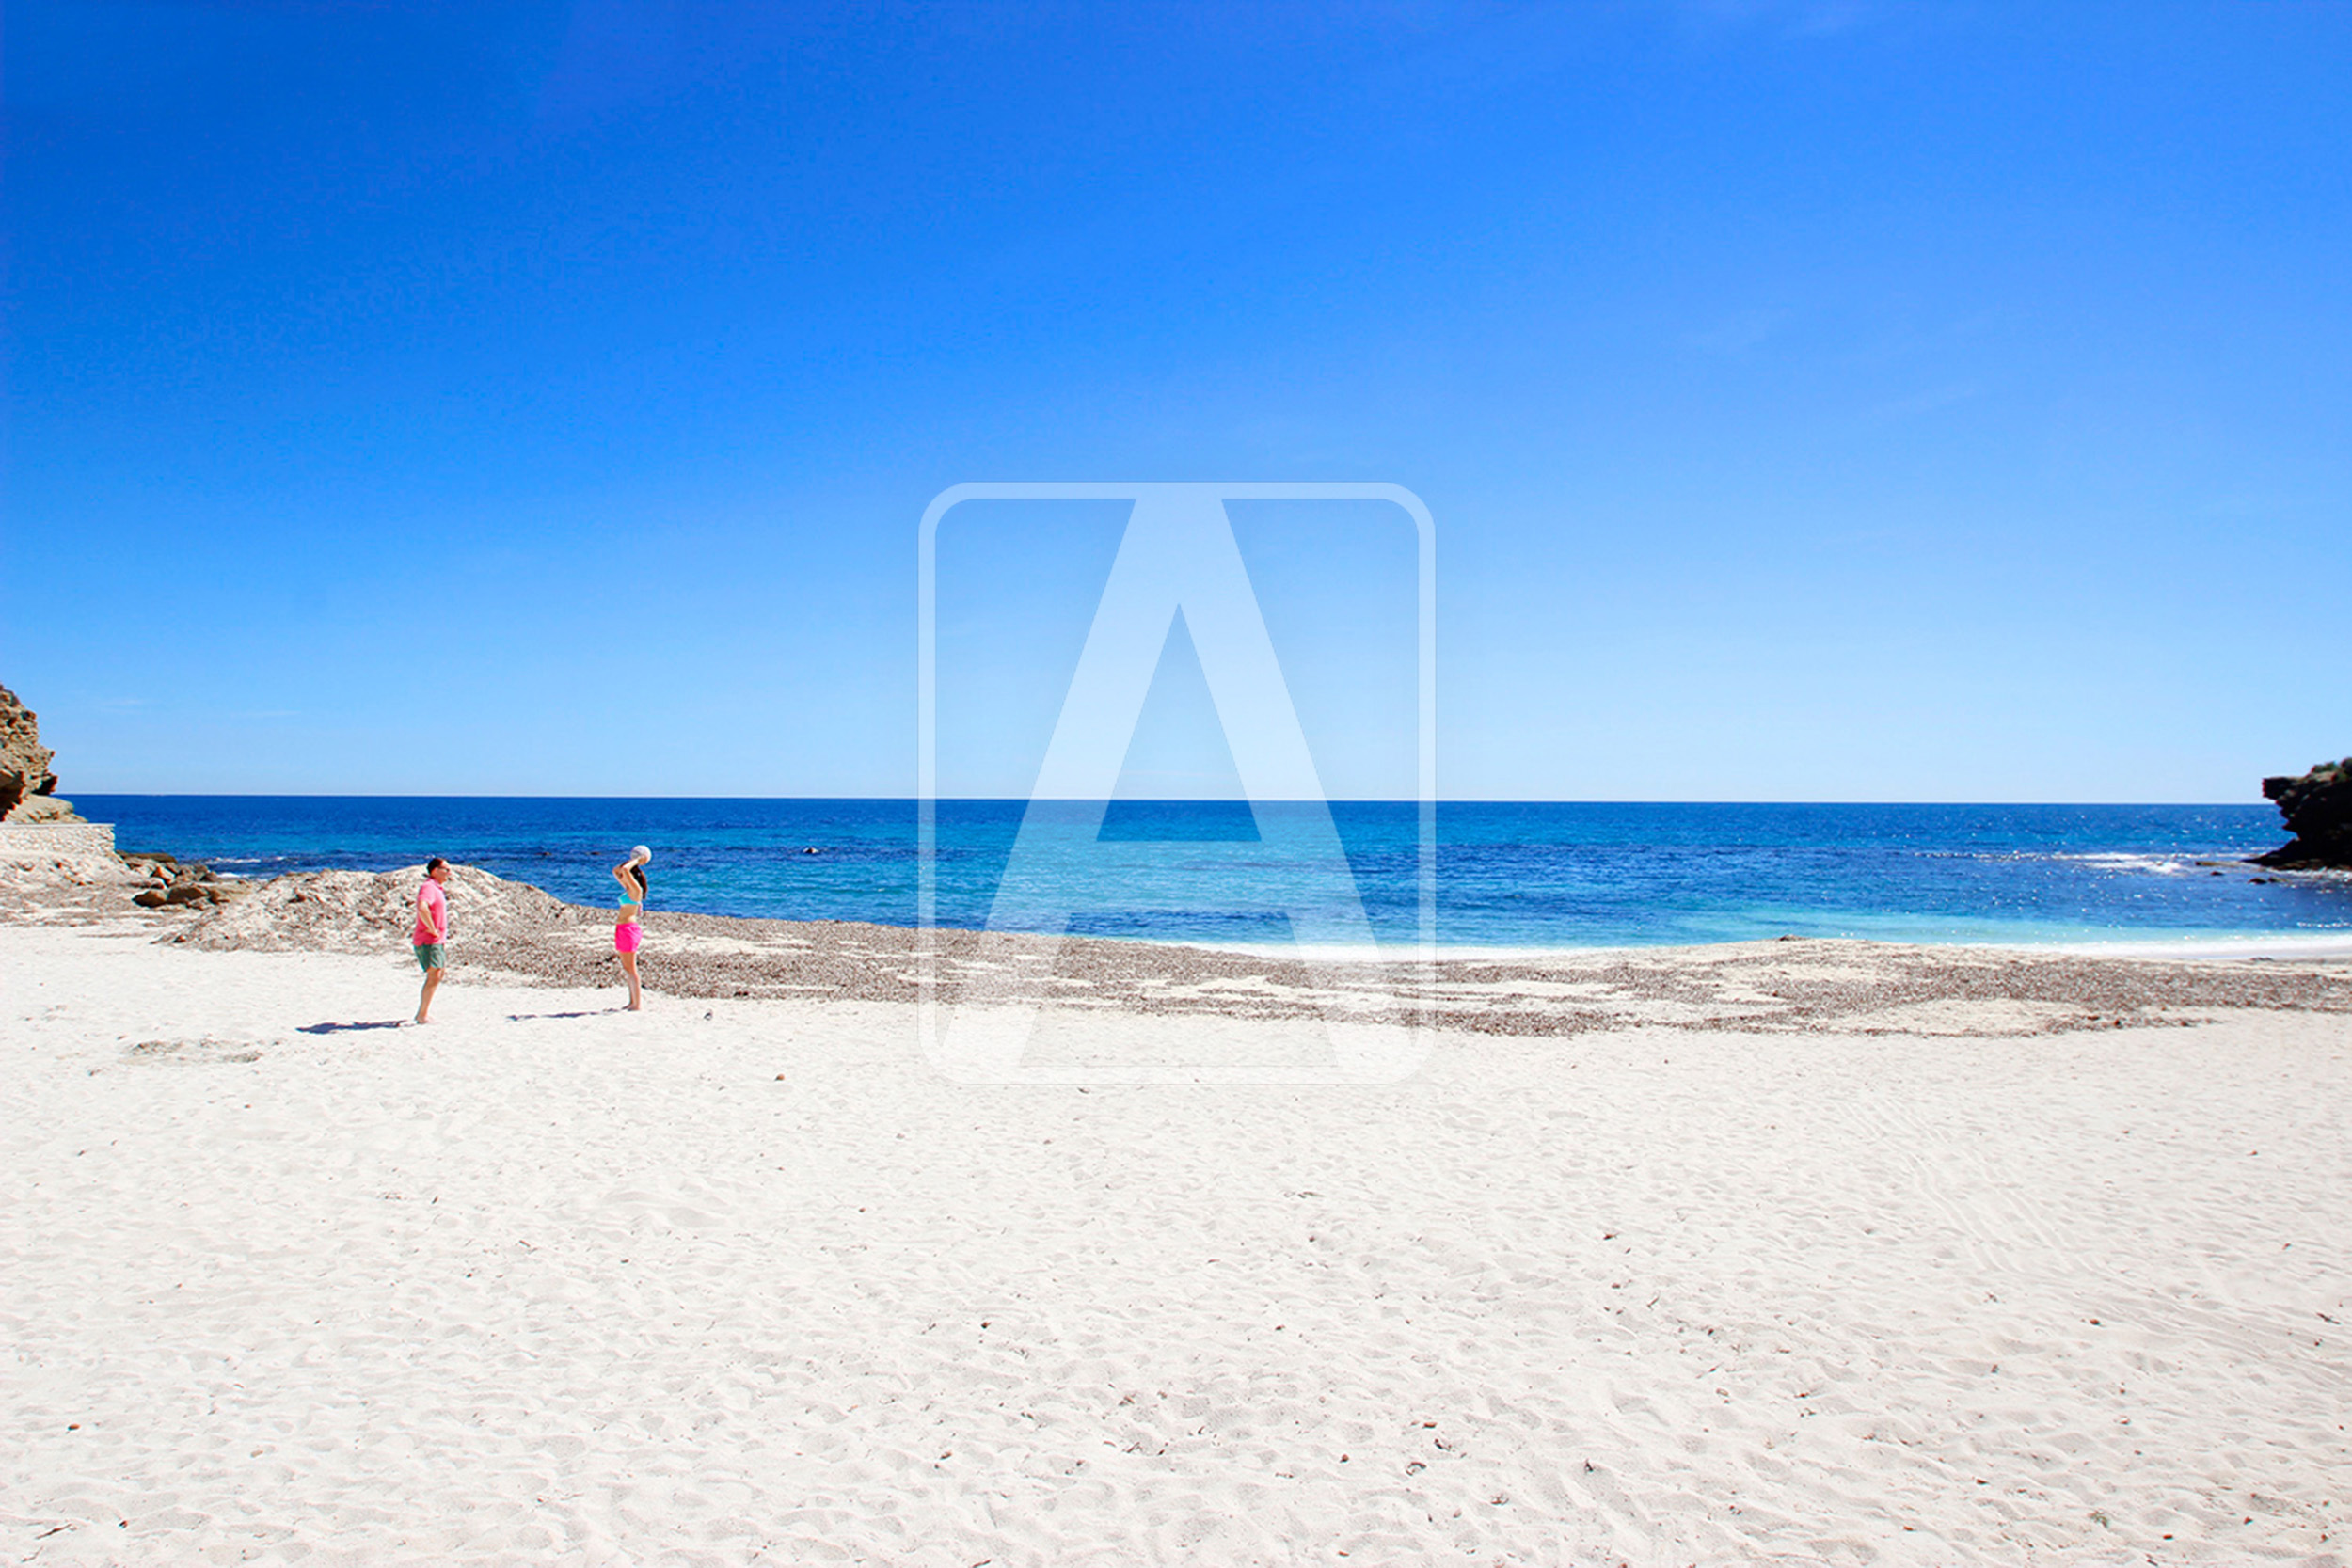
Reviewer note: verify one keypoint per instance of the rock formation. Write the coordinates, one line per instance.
(172, 885)
(26, 784)
(2318, 808)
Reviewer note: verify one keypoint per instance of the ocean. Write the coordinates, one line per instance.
(1508, 876)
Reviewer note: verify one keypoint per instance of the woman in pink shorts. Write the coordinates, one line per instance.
(628, 933)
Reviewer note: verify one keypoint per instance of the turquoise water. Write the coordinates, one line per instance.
(1511, 875)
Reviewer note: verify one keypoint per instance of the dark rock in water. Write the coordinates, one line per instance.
(2317, 806)
(27, 787)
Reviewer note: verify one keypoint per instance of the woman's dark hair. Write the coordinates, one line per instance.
(639, 872)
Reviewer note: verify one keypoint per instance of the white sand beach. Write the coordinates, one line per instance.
(743, 1281)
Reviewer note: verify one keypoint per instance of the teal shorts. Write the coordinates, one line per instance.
(428, 955)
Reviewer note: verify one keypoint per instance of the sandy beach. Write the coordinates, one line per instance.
(1923, 1261)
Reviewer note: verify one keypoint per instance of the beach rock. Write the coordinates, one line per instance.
(2317, 806)
(177, 884)
(27, 786)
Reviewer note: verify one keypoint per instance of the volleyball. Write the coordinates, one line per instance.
(641, 855)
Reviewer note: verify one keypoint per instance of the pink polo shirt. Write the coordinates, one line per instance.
(432, 912)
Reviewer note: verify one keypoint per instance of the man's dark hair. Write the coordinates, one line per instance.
(434, 864)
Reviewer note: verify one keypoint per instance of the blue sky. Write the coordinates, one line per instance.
(1816, 401)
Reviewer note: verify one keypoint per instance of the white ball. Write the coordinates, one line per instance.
(640, 854)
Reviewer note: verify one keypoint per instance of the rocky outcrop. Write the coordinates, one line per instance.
(2318, 808)
(27, 787)
(46, 850)
(171, 885)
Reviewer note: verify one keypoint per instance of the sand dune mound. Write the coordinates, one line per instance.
(370, 912)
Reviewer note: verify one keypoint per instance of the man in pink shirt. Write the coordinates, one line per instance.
(432, 931)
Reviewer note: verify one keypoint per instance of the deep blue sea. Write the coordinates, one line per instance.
(1508, 876)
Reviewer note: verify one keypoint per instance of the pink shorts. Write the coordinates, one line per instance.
(627, 937)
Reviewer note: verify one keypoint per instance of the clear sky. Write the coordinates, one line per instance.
(1817, 401)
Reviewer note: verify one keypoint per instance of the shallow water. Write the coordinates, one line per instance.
(1507, 875)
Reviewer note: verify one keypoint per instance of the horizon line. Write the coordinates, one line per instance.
(1157, 800)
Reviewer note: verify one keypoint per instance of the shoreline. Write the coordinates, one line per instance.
(2214, 947)
(514, 929)
(511, 931)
